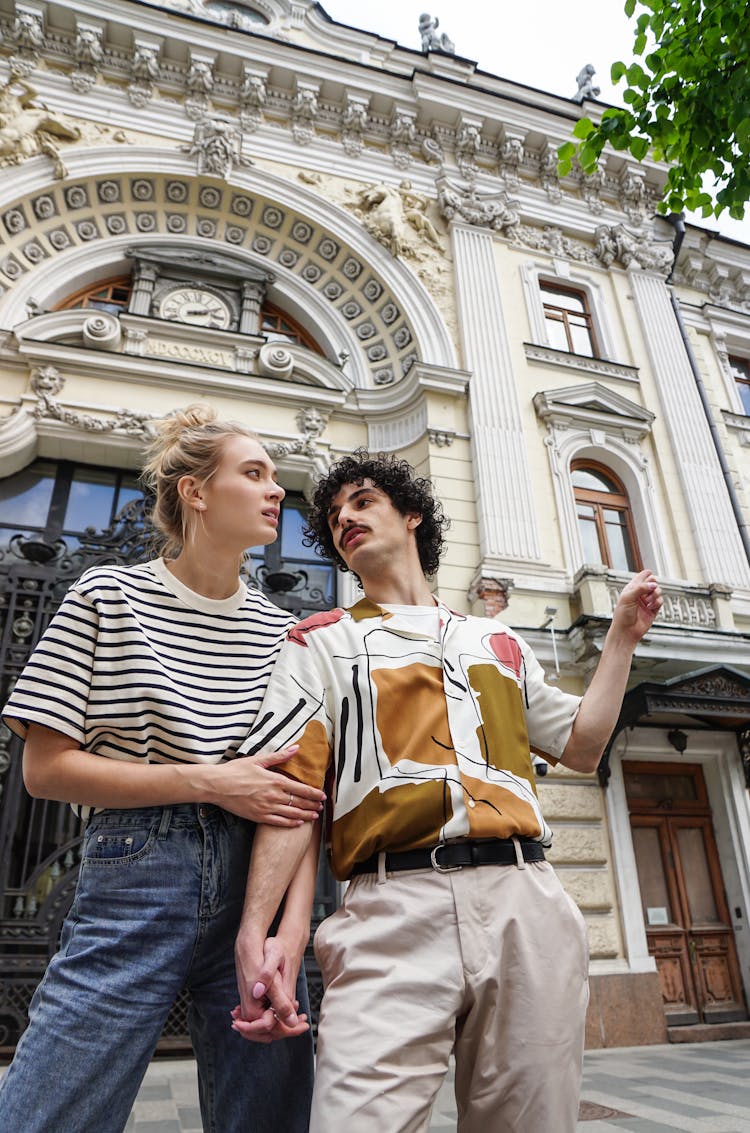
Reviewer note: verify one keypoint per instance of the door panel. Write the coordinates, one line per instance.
(687, 921)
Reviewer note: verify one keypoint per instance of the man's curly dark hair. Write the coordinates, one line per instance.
(408, 493)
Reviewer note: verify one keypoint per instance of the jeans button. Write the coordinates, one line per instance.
(202, 812)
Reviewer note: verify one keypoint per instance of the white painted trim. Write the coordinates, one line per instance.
(536, 271)
(433, 341)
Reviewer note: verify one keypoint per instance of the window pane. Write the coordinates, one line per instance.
(570, 301)
(700, 891)
(581, 336)
(589, 536)
(620, 550)
(592, 479)
(25, 497)
(556, 335)
(651, 876)
(292, 522)
(92, 495)
(744, 392)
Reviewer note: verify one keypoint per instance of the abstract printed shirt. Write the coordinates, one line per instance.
(416, 740)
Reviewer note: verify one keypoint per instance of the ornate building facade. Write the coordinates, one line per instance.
(345, 242)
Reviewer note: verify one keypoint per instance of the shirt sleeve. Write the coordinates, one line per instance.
(550, 712)
(294, 711)
(54, 687)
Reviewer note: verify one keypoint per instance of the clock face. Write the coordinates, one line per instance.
(196, 305)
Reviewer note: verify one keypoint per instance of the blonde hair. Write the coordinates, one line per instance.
(189, 442)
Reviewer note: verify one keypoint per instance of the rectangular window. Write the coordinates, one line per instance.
(568, 320)
(740, 368)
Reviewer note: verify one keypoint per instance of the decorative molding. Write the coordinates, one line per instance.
(618, 244)
(217, 147)
(495, 211)
(562, 359)
(594, 405)
(47, 382)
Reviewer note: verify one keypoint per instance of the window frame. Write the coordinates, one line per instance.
(550, 288)
(614, 501)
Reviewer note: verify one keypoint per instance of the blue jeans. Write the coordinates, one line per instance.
(156, 910)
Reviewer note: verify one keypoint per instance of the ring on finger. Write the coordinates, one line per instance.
(291, 799)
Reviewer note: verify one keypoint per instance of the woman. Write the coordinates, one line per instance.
(147, 677)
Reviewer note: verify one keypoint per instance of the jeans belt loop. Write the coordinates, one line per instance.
(436, 864)
(381, 869)
(520, 860)
(166, 818)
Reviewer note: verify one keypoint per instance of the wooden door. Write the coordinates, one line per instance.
(688, 927)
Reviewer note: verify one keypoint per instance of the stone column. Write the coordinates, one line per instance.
(712, 521)
(505, 504)
(253, 294)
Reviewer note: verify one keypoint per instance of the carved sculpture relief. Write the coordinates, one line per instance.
(489, 210)
(468, 144)
(632, 195)
(217, 147)
(47, 382)
(548, 178)
(89, 56)
(397, 218)
(304, 112)
(403, 135)
(253, 96)
(591, 187)
(617, 244)
(199, 82)
(28, 127)
(511, 156)
(144, 71)
(353, 125)
(27, 39)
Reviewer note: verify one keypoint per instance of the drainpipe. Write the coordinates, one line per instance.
(677, 220)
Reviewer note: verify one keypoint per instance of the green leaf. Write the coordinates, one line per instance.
(583, 128)
(639, 148)
(617, 71)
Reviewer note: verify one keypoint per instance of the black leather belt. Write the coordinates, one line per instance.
(448, 856)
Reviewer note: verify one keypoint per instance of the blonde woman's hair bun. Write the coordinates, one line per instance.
(172, 427)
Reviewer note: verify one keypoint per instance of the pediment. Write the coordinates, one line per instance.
(593, 404)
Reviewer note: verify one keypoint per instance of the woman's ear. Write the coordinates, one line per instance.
(189, 491)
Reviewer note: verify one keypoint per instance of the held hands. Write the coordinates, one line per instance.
(637, 607)
(266, 976)
(252, 789)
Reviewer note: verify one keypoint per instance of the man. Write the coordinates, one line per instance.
(455, 934)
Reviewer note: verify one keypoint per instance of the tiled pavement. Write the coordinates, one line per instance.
(692, 1088)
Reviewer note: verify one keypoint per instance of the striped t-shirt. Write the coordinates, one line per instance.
(135, 666)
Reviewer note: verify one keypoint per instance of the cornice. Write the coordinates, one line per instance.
(199, 69)
(586, 367)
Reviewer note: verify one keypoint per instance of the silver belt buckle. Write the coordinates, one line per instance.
(436, 865)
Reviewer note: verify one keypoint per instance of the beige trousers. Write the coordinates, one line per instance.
(489, 963)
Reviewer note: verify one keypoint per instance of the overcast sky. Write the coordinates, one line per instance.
(542, 43)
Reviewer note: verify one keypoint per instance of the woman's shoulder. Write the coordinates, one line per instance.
(115, 576)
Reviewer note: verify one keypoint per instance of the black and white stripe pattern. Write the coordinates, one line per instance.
(136, 666)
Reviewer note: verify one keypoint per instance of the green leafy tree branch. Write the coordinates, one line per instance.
(687, 101)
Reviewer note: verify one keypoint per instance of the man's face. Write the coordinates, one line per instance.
(366, 527)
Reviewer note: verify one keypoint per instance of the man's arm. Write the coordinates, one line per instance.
(637, 607)
(267, 1008)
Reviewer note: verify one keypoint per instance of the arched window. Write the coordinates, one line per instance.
(276, 326)
(605, 520)
(568, 320)
(111, 295)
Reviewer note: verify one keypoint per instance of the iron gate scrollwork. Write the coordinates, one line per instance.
(40, 840)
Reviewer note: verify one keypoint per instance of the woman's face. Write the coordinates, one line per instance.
(239, 506)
